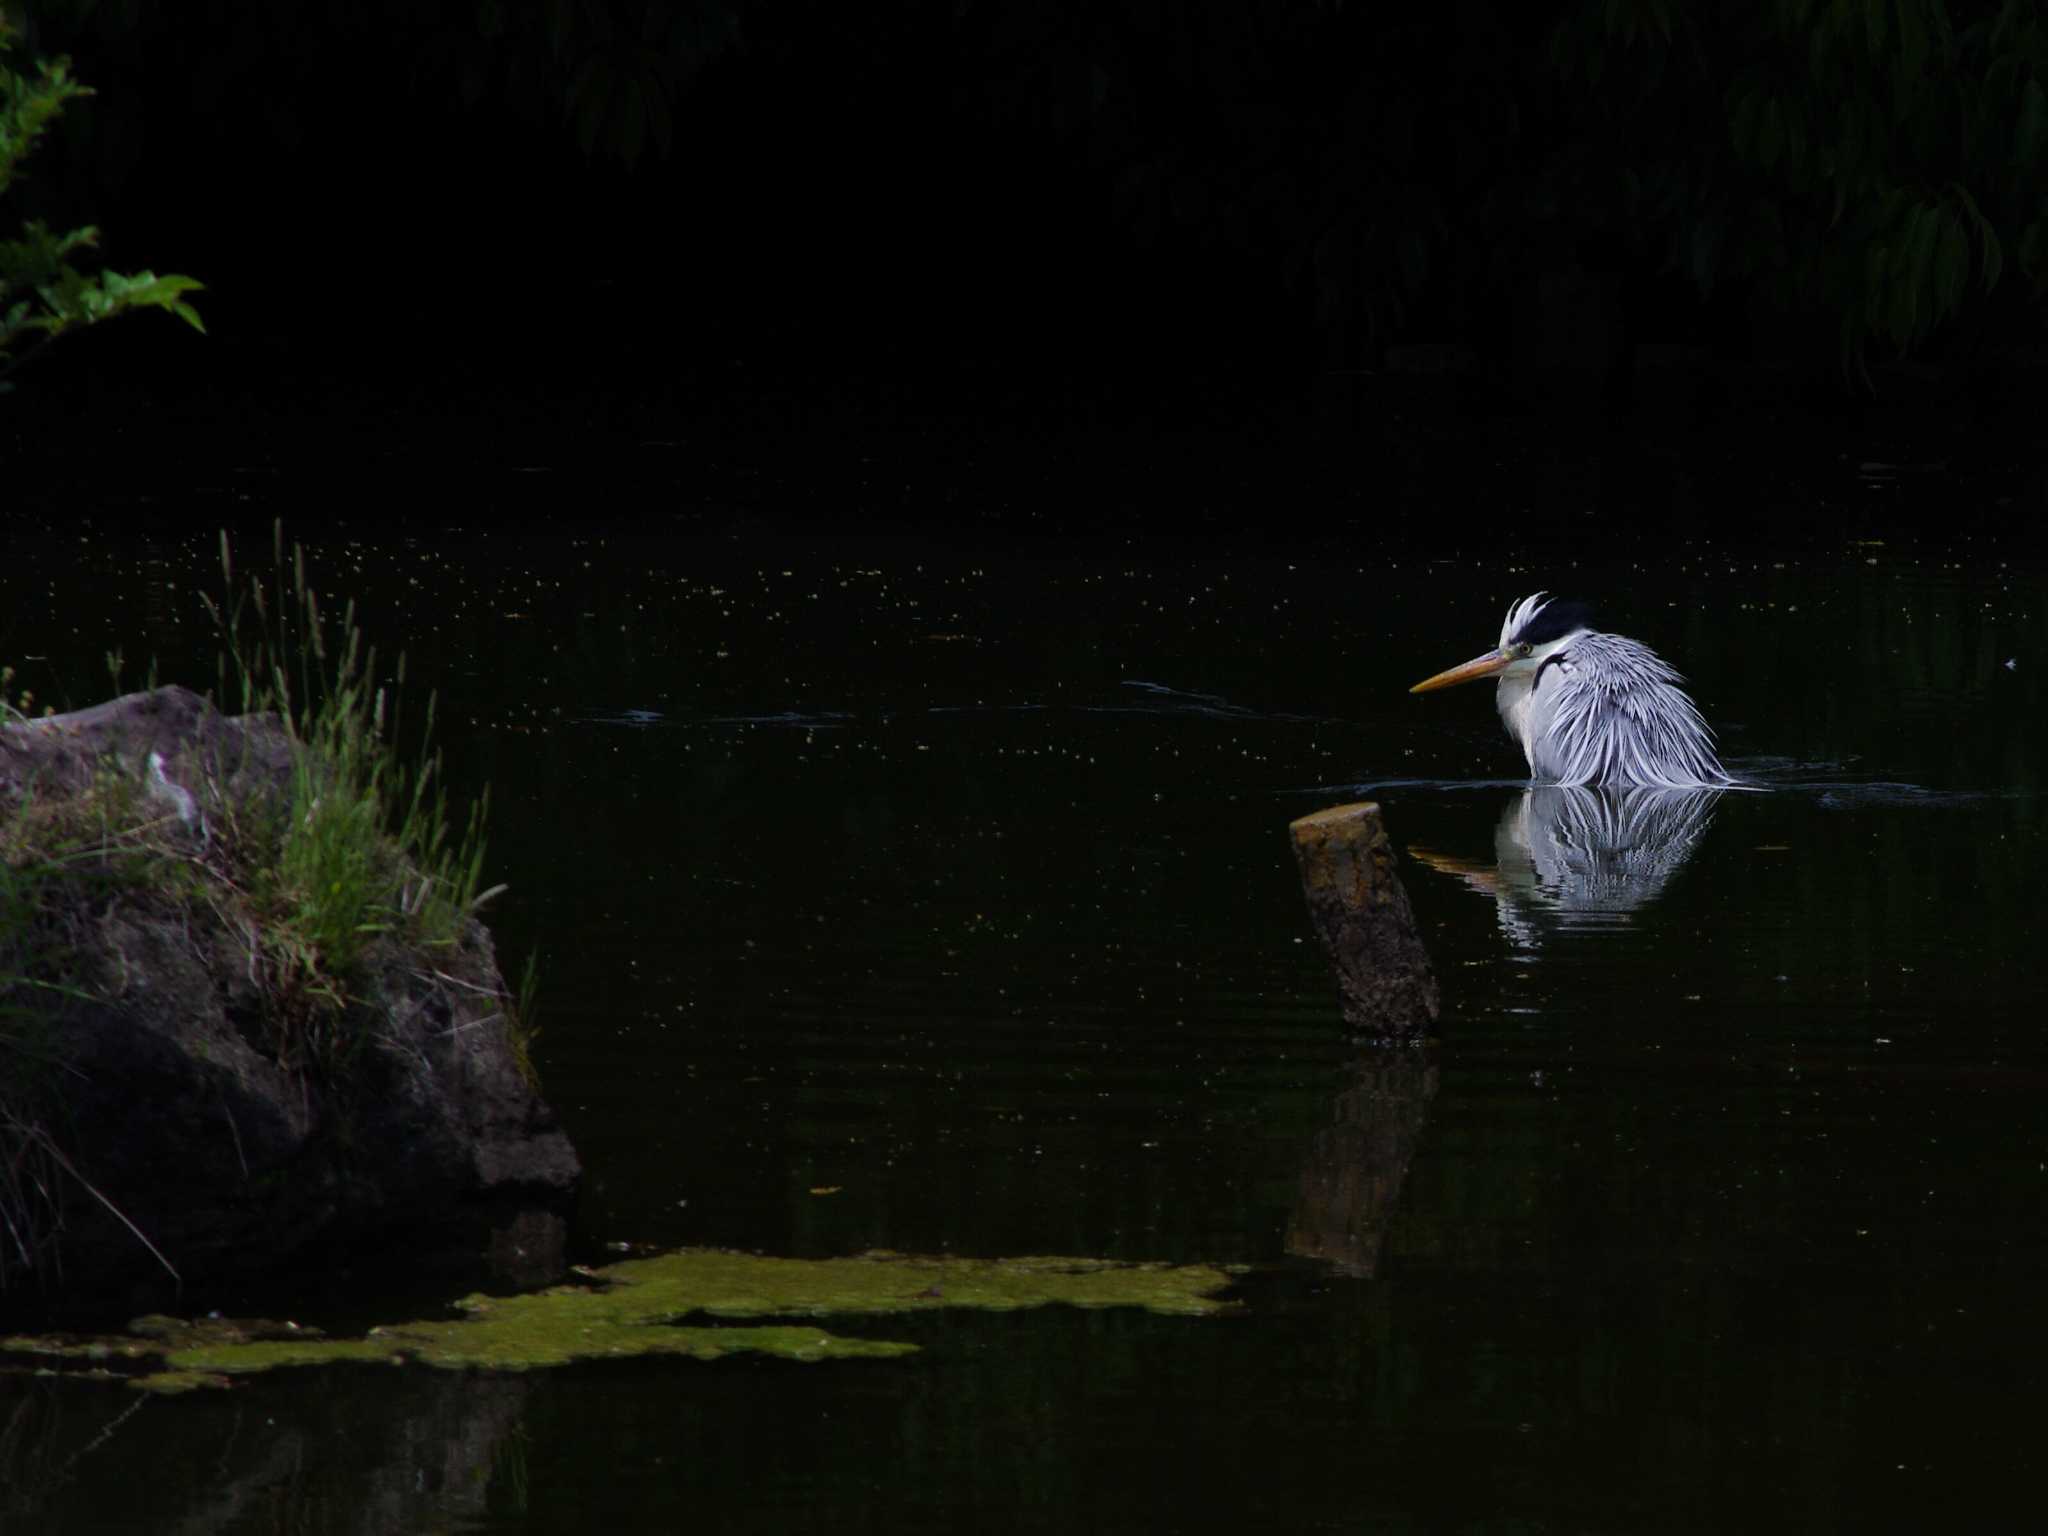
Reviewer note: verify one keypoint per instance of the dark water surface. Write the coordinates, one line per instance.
(952, 876)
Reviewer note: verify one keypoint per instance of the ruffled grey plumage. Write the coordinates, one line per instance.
(1596, 708)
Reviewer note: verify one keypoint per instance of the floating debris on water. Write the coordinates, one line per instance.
(635, 1307)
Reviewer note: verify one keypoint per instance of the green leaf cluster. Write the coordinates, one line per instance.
(1880, 165)
(1872, 175)
(42, 294)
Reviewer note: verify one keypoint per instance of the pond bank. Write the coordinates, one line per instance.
(191, 1092)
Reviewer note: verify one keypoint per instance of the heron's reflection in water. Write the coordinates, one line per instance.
(1583, 857)
(1356, 1165)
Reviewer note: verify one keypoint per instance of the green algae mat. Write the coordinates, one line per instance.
(635, 1308)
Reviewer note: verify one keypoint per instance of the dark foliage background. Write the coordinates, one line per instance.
(1128, 201)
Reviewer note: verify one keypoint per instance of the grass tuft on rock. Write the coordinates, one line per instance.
(369, 843)
(366, 843)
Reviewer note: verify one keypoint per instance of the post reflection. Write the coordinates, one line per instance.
(1351, 1181)
(1583, 857)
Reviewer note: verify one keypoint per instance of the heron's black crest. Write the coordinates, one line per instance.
(1553, 621)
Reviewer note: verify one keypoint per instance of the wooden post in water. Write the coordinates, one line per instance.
(1362, 915)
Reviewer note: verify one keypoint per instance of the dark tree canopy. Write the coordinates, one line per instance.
(1869, 177)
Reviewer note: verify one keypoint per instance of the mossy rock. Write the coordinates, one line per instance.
(202, 1105)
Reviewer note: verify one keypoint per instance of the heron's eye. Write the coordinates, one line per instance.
(1524, 648)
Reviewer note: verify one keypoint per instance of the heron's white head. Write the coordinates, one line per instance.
(1536, 628)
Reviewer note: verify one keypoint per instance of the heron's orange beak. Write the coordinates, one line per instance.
(1470, 672)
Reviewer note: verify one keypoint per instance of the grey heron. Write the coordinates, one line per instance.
(1589, 707)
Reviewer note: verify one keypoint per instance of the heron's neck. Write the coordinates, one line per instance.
(1516, 702)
